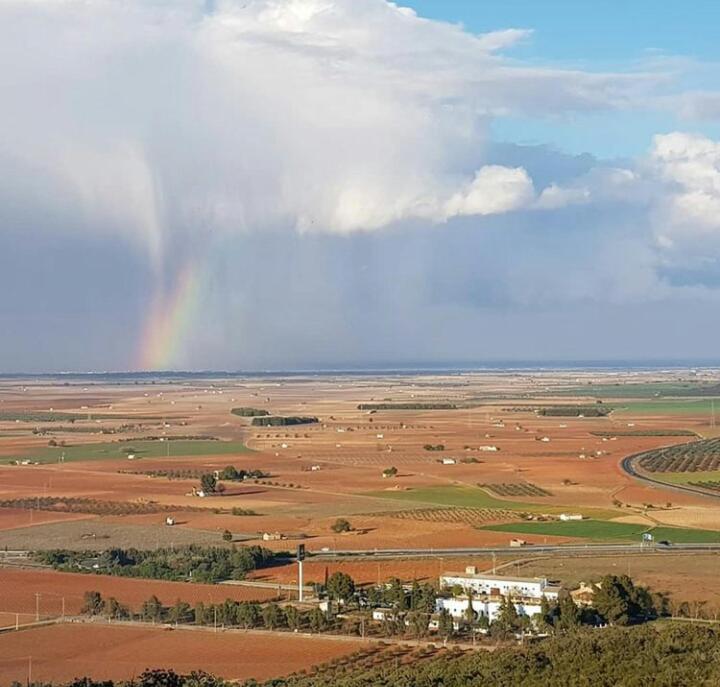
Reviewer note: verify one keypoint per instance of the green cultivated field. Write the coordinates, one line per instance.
(603, 531)
(643, 390)
(687, 477)
(469, 497)
(141, 449)
(669, 407)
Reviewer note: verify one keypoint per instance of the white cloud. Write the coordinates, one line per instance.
(158, 119)
(687, 208)
(494, 190)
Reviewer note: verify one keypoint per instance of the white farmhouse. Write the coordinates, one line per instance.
(498, 585)
(488, 607)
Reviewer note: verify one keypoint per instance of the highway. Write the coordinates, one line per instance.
(572, 549)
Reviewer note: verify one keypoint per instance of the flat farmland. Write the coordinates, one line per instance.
(330, 469)
(19, 587)
(597, 530)
(686, 577)
(103, 652)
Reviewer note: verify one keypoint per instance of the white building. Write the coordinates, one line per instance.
(498, 585)
(565, 517)
(457, 607)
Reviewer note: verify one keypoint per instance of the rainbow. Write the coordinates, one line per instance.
(169, 320)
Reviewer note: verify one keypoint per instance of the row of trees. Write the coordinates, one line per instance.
(229, 613)
(185, 563)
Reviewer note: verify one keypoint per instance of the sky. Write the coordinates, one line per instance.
(294, 184)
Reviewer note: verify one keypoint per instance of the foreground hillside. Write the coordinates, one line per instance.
(641, 656)
(647, 656)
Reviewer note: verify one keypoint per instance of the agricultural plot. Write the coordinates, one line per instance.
(368, 659)
(63, 504)
(140, 449)
(697, 456)
(712, 485)
(605, 531)
(469, 516)
(469, 497)
(647, 433)
(516, 489)
(669, 407)
(644, 390)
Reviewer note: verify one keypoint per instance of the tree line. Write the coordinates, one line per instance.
(184, 563)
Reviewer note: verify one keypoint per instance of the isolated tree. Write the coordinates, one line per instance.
(293, 618)
(114, 610)
(208, 483)
(92, 603)
(545, 619)
(470, 615)
(230, 473)
(395, 595)
(248, 615)
(445, 624)
(418, 623)
(507, 618)
(152, 609)
(569, 615)
(341, 586)
(620, 602)
(317, 620)
(181, 612)
(390, 472)
(272, 616)
(227, 535)
(341, 525)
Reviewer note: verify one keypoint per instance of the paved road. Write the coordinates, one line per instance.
(597, 549)
(628, 466)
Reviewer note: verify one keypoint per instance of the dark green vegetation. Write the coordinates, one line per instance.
(157, 677)
(250, 412)
(183, 564)
(713, 485)
(696, 456)
(598, 410)
(408, 406)
(647, 433)
(603, 530)
(671, 656)
(229, 473)
(140, 449)
(521, 489)
(278, 421)
(341, 525)
(434, 447)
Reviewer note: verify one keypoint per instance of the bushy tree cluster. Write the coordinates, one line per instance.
(185, 563)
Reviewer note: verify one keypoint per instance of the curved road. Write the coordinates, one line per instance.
(628, 466)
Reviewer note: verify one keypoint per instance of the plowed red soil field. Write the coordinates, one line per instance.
(18, 589)
(62, 652)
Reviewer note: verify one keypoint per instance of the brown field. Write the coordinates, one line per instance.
(349, 449)
(63, 652)
(686, 578)
(18, 589)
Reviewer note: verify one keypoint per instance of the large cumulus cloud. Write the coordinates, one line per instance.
(326, 152)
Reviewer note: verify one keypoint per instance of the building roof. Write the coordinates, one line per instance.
(496, 578)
